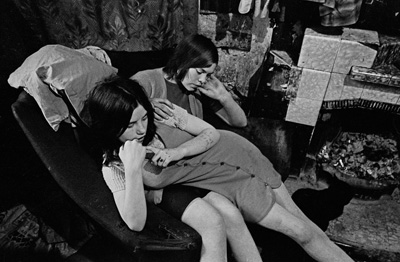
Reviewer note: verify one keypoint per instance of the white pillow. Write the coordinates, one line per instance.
(59, 67)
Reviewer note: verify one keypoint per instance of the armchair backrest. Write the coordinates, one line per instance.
(78, 175)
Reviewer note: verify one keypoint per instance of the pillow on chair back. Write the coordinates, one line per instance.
(56, 67)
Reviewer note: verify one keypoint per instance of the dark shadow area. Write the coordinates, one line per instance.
(321, 206)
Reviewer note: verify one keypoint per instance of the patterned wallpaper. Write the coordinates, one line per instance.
(124, 25)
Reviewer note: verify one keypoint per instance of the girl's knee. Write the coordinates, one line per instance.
(227, 209)
(203, 217)
(214, 218)
(207, 221)
(233, 217)
(306, 233)
(303, 233)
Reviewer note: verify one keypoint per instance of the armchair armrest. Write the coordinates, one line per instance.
(77, 174)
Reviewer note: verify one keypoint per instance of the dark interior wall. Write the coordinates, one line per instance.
(17, 156)
(16, 43)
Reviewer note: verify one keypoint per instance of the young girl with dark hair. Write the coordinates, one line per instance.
(189, 151)
(188, 81)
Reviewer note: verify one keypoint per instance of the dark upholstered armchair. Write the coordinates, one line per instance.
(164, 238)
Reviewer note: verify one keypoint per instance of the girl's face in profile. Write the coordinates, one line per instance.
(137, 126)
(197, 77)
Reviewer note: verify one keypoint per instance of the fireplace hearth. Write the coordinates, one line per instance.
(355, 141)
(371, 221)
(369, 163)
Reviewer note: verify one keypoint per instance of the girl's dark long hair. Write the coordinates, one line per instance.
(108, 111)
(194, 51)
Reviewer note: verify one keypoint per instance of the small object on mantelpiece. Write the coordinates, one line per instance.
(375, 76)
(369, 75)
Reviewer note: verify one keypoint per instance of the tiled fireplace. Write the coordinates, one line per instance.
(353, 68)
(346, 69)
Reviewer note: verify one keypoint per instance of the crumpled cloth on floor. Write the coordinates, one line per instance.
(339, 12)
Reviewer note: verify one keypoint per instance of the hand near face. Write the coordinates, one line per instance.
(162, 108)
(162, 157)
(132, 154)
(214, 88)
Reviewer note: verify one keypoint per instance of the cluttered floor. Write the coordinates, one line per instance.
(369, 230)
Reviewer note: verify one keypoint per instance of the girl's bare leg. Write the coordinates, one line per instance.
(242, 244)
(208, 222)
(309, 236)
(284, 199)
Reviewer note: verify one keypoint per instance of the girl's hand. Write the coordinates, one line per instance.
(132, 154)
(162, 108)
(162, 157)
(215, 89)
(154, 196)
